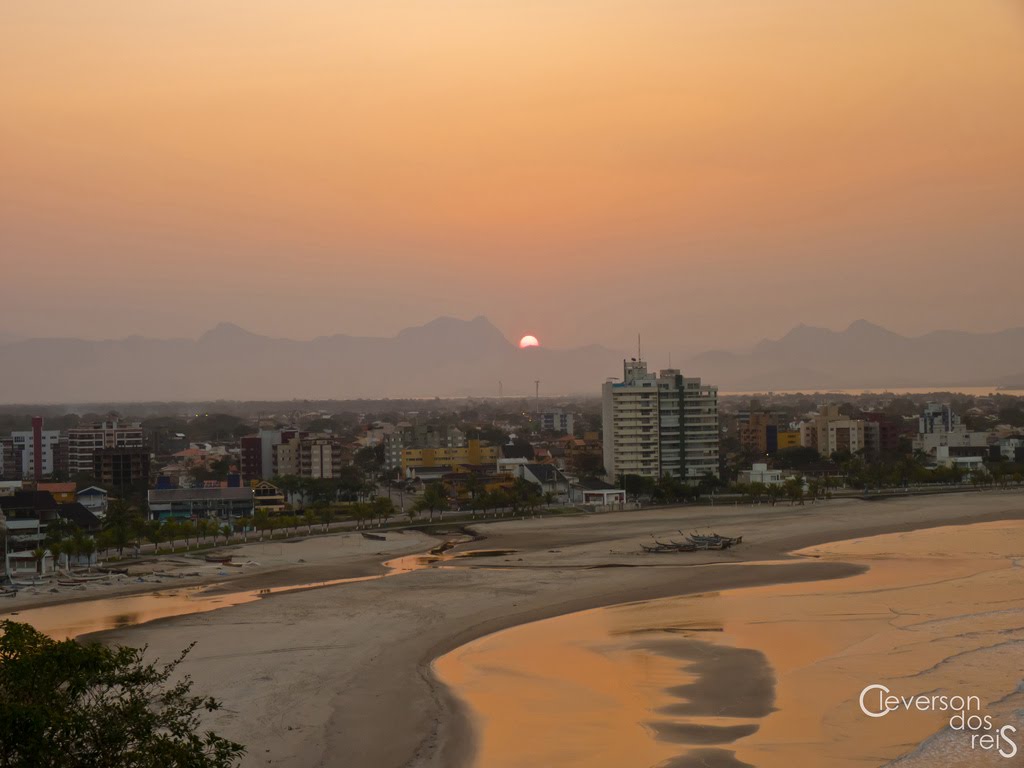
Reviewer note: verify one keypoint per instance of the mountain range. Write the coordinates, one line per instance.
(452, 357)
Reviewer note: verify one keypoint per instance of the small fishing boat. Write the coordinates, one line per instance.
(222, 559)
(373, 536)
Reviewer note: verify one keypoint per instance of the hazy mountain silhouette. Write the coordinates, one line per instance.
(445, 357)
(867, 356)
(451, 357)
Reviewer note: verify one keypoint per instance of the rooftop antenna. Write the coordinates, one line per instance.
(501, 392)
(638, 355)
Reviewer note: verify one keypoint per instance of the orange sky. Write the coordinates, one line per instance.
(579, 169)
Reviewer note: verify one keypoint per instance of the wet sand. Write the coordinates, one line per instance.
(766, 676)
(342, 675)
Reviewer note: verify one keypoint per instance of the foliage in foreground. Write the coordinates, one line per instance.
(68, 705)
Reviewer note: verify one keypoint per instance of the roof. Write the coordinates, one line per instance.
(79, 515)
(545, 473)
(593, 484)
(93, 490)
(56, 487)
(517, 451)
(35, 500)
(167, 495)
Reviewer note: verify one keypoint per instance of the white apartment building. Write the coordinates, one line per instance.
(556, 421)
(83, 442)
(26, 453)
(656, 425)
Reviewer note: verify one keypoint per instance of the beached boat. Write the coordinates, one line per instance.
(219, 559)
(373, 536)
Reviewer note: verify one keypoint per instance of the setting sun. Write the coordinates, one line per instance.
(528, 341)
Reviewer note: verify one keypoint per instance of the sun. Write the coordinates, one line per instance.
(528, 341)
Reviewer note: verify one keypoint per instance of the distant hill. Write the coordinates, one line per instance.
(448, 357)
(445, 357)
(866, 356)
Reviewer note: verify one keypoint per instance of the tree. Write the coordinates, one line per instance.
(38, 554)
(432, 500)
(262, 521)
(123, 524)
(383, 508)
(154, 534)
(327, 517)
(66, 705)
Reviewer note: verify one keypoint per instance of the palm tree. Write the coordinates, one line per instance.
(262, 521)
(38, 554)
(327, 517)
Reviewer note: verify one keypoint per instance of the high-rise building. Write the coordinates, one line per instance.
(38, 452)
(83, 442)
(556, 421)
(656, 425)
(121, 467)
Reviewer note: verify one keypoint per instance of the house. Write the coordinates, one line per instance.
(267, 497)
(80, 516)
(196, 503)
(26, 515)
(759, 473)
(547, 476)
(597, 493)
(94, 499)
(63, 493)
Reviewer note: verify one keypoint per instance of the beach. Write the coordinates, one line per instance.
(343, 675)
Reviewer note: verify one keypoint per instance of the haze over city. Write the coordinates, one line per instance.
(503, 383)
(719, 172)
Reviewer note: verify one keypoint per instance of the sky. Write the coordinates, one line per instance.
(703, 172)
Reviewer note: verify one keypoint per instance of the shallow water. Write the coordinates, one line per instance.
(67, 620)
(766, 676)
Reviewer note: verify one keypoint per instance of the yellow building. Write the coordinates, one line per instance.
(474, 452)
(267, 496)
(788, 439)
(63, 493)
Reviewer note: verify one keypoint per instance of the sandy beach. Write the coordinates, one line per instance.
(341, 675)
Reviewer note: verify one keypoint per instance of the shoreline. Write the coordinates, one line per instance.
(324, 675)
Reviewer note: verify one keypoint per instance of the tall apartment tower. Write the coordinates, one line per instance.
(84, 442)
(656, 425)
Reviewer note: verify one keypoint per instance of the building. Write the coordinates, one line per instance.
(937, 417)
(787, 438)
(844, 436)
(38, 453)
(556, 421)
(413, 436)
(939, 427)
(321, 457)
(83, 442)
(258, 458)
(121, 467)
(94, 499)
(659, 425)
(1010, 449)
(26, 515)
(597, 493)
(267, 497)
(758, 432)
(302, 455)
(546, 477)
(759, 473)
(63, 493)
(474, 453)
(10, 467)
(201, 503)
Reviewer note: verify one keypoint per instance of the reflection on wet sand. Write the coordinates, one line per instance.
(66, 620)
(767, 676)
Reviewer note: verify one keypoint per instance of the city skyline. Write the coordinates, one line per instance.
(364, 168)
